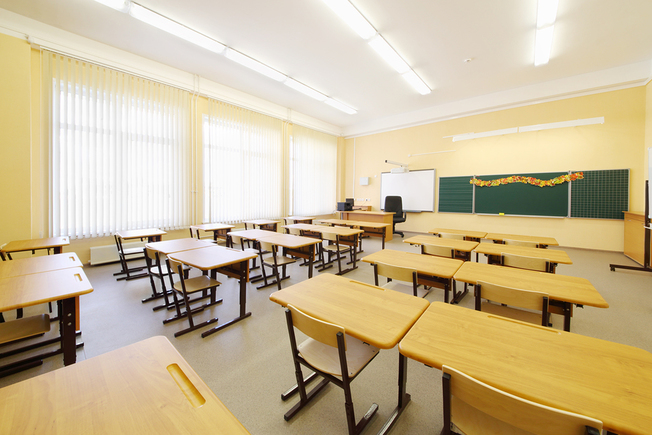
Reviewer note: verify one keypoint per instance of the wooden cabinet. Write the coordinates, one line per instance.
(635, 236)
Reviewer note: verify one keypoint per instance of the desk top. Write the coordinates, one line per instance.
(372, 314)
(559, 287)
(144, 388)
(354, 223)
(140, 234)
(424, 264)
(342, 231)
(33, 244)
(598, 378)
(548, 241)
(261, 222)
(177, 245)
(37, 288)
(289, 240)
(299, 218)
(212, 227)
(251, 234)
(472, 234)
(212, 257)
(45, 263)
(458, 245)
(363, 212)
(552, 255)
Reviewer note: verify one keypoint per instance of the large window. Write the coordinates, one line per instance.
(242, 165)
(119, 150)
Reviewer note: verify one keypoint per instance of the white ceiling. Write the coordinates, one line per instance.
(598, 44)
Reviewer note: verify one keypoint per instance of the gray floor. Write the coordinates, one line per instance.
(249, 364)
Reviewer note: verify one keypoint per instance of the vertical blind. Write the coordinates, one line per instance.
(119, 150)
(243, 164)
(313, 171)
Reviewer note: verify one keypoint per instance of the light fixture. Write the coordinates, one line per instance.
(390, 56)
(352, 17)
(253, 64)
(298, 86)
(546, 16)
(341, 106)
(118, 5)
(412, 78)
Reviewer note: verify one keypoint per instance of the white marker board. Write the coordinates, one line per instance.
(416, 188)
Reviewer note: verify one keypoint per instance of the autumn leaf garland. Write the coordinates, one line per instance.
(528, 180)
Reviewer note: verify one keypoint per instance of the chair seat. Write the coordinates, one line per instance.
(196, 284)
(405, 288)
(512, 313)
(335, 248)
(326, 358)
(133, 251)
(280, 260)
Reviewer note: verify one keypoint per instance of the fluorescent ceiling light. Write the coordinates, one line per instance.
(387, 52)
(543, 45)
(546, 13)
(352, 17)
(298, 86)
(183, 32)
(340, 106)
(412, 78)
(119, 5)
(253, 64)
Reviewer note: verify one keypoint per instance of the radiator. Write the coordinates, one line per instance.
(109, 253)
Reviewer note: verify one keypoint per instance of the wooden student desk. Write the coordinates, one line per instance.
(145, 388)
(431, 270)
(263, 224)
(373, 229)
(564, 291)
(462, 248)
(298, 220)
(542, 242)
(384, 217)
(374, 315)
(63, 286)
(495, 250)
(296, 246)
(468, 235)
(54, 243)
(598, 378)
(230, 262)
(219, 230)
(46, 263)
(151, 234)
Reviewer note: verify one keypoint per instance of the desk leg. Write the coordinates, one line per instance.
(311, 260)
(67, 328)
(244, 273)
(403, 396)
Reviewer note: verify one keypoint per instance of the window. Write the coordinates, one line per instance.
(119, 151)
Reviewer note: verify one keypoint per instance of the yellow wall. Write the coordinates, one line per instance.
(618, 143)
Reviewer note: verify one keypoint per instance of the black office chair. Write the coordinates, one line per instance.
(395, 204)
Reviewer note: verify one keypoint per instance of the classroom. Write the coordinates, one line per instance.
(584, 121)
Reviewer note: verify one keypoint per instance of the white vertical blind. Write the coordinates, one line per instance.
(313, 172)
(243, 165)
(119, 150)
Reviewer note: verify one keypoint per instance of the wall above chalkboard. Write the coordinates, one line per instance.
(600, 194)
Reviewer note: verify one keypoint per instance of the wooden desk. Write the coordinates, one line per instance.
(263, 224)
(563, 290)
(468, 235)
(634, 235)
(495, 250)
(431, 271)
(601, 379)
(374, 315)
(230, 262)
(462, 248)
(298, 220)
(167, 247)
(373, 229)
(219, 230)
(54, 243)
(543, 242)
(371, 216)
(151, 234)
(144, 388)
(296, 246)
(46, 263)
(63, 286)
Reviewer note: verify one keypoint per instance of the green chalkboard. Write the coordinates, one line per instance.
(602, 194)
(523, 199)
(455, 195)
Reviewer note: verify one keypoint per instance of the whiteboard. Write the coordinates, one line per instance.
(417, 189)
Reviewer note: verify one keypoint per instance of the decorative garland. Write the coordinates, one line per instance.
(529, 180)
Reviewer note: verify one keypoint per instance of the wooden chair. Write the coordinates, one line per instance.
(438, 251)
(196, 235)
(333, 355)
(184, 288)
(403, 274)
(274, 262)
(235, 241)
(126, 255)
(334, 248)
(473, 407)
(532, 306)
(522, 262)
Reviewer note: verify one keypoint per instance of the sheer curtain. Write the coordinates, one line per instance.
(119, 150)
(313, 172)
(243, 164)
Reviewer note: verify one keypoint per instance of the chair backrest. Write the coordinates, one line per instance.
(394, 204)
(439, 251)
(316, 329)
(295, 231)
(329, 236)
(523, 262)
(451, 236)
(151, 254)
(395, 272)
(530, 300)
(477, 408)
(267, 247)
(176, 267)
(521, 243)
